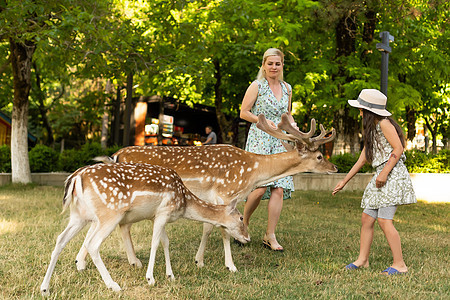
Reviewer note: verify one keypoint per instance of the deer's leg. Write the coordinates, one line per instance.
(165, 243)
(128, 243)
(80, 261)
(207, 229)
(158, 226)
(226, 246)
(74, 226)
(101, 232)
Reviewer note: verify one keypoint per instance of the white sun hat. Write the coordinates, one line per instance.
(372, 100)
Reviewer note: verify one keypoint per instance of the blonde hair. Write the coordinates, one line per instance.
(270, 52)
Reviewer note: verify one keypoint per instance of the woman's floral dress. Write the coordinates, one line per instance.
(398, 189)
(262, 143)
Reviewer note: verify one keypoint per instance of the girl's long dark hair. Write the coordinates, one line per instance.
(370, 121)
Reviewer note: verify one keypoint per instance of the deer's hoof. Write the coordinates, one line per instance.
(151, 281)
(170, 277)
(137, 264)
(232, 268)
(45, 292)
(81, 264)
(199, 264)
(115, 287)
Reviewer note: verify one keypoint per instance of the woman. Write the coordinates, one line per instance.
(271, 96)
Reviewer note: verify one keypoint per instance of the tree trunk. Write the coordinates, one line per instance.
(433, 132)
(21, 58)
(368, 31)
(43, 109)
(224, 124)
(105, 118)
(410, 123)
(127, 117)
(347, 128)
(346, 35)
(116, 121)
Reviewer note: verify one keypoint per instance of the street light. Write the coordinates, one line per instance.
(384, 48)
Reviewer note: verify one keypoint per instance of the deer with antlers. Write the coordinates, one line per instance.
(120, 194)
(224, 173)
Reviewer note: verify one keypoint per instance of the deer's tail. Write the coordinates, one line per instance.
(106, 159)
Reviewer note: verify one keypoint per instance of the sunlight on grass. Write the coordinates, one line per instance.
(5, 197)
(8, 226)
(438, 227)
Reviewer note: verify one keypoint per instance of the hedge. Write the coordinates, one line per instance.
(45, 159)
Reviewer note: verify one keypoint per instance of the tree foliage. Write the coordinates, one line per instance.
(208, 52)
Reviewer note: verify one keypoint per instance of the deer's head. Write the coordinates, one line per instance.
(235, 223)
(304, 143)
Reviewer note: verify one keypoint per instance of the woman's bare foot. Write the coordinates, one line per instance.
(271, 242)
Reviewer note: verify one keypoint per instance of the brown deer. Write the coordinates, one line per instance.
(119, 194)
(223, 173)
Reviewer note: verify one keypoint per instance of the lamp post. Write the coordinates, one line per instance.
(384, 48)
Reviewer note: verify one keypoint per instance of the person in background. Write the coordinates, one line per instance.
(211, 138)
(271, 96)
(391, 185)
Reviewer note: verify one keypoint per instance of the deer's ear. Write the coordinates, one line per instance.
(287, 146)
(232, 205)
(300, 146)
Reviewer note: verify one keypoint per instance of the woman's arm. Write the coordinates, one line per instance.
(290, 117)
(247, 103)
(353, 171)
(392, 137)
(249, 100)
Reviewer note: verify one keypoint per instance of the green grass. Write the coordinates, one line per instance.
(320, 234)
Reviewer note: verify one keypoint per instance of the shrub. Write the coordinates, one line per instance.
(5, 159)
(72, 159)
(43, 159)
(419, 162)
(69, 160)
(416, 162)
(344, 162)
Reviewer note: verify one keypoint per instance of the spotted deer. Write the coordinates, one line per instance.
(120, 194)
(223, 173)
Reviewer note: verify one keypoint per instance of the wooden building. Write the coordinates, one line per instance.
(5, 131)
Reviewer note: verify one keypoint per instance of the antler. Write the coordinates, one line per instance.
(286, 125)
(293, 134)
(322, 139)
(264, 126)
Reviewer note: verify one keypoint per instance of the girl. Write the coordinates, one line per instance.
(391, 185)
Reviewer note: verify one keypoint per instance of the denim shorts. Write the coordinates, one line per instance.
(382, 213)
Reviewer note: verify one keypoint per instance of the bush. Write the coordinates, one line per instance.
(72, 159)
(43, 159)
(420, 162)
(416, 162)
(69, 160)
(5, 159)
(344, 162)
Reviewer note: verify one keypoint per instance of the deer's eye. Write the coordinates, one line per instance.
(319, 157)
(241, 218)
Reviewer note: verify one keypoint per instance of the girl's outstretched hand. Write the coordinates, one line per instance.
(338, 187)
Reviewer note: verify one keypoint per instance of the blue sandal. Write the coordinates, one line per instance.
(351, 266)
(392, 271)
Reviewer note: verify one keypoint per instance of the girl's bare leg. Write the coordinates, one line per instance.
(393, 239)
(367, 228)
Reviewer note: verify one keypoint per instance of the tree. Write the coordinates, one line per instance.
(25, 24)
